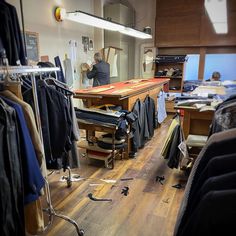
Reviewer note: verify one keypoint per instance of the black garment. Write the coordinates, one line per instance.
(217, 166)
(11, 192)
(224, 116)
(139, 127)
(174, 153)
(95, 116)
(60, 74)
(100, 74)
(222, 182)
(56, 123)
(218, 144)
(151, 115)
(17, 34)
(7, 34)
(215, 215)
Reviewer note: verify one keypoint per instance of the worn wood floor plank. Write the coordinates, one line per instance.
(150, 208)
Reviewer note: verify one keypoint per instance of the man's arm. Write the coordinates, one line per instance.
(91, 74)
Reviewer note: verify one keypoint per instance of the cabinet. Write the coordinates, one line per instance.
(175, 71)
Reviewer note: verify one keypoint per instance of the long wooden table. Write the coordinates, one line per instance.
(124, 93)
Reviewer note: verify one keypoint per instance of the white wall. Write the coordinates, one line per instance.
(54, 36)
(145, 14)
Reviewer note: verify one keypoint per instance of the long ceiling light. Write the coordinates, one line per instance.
(135, 33)
(217, 12)
(99, 22)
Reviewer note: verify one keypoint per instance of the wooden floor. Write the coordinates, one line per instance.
(149, 209)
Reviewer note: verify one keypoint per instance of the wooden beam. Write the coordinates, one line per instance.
(201, 66)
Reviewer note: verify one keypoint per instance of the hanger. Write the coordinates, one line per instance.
(12, 83)
(59, 85)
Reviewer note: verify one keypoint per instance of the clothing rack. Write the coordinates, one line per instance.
(32, 71)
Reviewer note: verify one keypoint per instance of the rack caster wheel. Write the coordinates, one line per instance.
(81, 232)
(69, 183)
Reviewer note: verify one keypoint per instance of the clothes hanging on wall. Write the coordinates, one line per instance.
(60, 74)
(10, 35)
(69, 72)
(218, 152)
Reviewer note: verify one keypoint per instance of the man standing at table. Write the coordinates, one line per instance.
(100, 72)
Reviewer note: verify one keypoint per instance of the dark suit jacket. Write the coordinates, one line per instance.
(215, 215)
(139, 127)
(100, 74)
(221, 182)
(218, 144)
(151, 115)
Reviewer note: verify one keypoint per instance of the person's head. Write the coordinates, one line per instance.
(215, 76)
(97, 57)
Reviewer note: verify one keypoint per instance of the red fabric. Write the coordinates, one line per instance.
(123, 85)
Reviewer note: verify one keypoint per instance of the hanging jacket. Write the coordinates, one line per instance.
(32, 176)
(139, 127)
(151, 115)
(161, 113)
(215, 215)
(218, 144)
(11, 194)
(7, 34)
(17, 34)
(56, 122)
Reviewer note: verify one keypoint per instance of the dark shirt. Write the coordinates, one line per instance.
(100, 74)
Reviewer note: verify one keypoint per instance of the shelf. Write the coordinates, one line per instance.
(85, 145)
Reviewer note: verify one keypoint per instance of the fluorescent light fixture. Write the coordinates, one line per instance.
(221, 28)
(135, 33)
(217, 12)
(99, 22)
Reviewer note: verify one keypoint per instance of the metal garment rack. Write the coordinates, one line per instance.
(32, 71)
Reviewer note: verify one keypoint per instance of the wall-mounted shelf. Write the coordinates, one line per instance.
(176, 82)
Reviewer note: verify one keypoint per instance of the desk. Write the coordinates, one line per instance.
(196, 122)
(124, 94)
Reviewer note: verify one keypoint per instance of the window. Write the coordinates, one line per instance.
(191, 70)
(223, 63)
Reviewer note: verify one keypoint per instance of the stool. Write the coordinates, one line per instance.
(194, 145)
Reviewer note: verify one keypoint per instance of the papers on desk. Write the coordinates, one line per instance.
(199, 105)
(191, 102)
(203, 90)
(207, 108)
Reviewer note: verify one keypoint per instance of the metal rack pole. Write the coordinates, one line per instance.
(50, 210)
